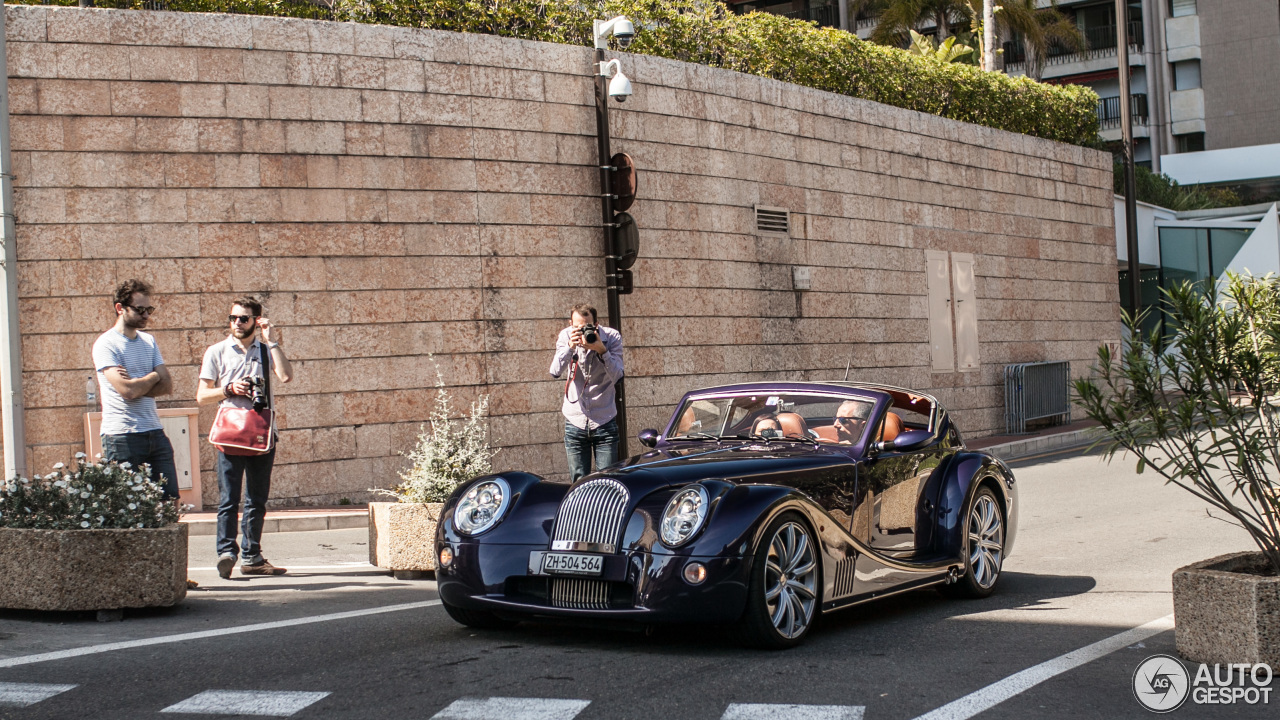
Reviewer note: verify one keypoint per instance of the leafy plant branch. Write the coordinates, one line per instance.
(1198, 403)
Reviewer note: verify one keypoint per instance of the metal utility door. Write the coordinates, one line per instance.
(966, 311)
(939, 280)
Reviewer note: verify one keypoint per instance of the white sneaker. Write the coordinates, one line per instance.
(226, 563)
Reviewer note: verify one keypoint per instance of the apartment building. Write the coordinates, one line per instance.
(1202, 72)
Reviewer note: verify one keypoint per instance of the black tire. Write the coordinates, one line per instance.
(479, 619)
(784, 620)
(984, 558)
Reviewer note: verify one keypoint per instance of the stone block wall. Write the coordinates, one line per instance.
(395, 195)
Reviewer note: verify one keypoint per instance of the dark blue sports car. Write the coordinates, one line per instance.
(761, 504)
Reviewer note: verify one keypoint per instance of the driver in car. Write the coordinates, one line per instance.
(850, 420)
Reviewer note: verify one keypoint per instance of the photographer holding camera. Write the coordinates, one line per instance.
(593, 355)
(233, 375)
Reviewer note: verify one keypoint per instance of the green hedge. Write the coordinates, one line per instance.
(705, 32)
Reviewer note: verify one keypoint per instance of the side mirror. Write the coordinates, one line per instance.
(648, 437)
(905, 441)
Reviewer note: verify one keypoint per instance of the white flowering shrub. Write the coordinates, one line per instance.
(448, 453)
(90, 496)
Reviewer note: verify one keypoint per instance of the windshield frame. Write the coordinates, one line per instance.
(879, 401)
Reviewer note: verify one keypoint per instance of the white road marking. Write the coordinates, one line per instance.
(246, 702)
(506, 708)
(185, 637)
(24, 694)
(759, 711)
(996, 693)
(334, 566)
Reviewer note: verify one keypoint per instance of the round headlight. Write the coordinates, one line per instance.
(684, 515)
(481, 506)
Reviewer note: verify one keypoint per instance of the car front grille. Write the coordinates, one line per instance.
(580, 594)
(590, 518)
(572, 593)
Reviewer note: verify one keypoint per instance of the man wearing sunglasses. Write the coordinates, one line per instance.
(224, 378)
(850, 420)
(131, 375)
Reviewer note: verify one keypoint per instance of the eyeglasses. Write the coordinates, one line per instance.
(848, 420)
(240, 318)
(142, 310)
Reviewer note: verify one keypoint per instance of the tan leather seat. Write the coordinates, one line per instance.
(828, 433)
(793, 425)
(892, 427)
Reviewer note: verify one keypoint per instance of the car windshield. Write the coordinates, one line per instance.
(781, 416)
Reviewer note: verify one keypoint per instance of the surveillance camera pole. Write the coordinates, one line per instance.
(608, 225)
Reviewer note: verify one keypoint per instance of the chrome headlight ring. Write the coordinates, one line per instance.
(482, 506)
(684, 515)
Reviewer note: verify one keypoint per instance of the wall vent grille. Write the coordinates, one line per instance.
(772, 220)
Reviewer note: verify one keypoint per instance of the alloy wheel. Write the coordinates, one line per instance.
(790, 580)
(986, 541)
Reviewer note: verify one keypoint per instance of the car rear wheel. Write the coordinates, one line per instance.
(982, 566)
(479, 619)
(782, 604)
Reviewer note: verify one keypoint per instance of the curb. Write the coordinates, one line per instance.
(1045, 443)
(288, 523)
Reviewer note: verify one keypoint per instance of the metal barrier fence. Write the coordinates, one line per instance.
(1035, 391)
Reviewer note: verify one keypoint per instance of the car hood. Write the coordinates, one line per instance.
(736, 462)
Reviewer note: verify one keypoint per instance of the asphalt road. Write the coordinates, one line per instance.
(1096, 547)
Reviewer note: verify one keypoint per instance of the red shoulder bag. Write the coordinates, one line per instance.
(245, 431)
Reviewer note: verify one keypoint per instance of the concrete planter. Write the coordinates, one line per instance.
(1226, 613)
(402, 537)
(93, 569)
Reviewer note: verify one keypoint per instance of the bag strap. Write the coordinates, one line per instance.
(265, 355)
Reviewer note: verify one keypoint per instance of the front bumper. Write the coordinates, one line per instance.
(638, 586)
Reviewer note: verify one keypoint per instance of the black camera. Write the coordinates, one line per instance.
(257, 392)
(589, 334)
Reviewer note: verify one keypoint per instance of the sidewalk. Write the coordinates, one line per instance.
(1080, 434)
(297, 519)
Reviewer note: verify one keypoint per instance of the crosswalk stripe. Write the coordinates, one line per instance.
(761, 711)
(246, 702)
(506, 708)
(24, 694)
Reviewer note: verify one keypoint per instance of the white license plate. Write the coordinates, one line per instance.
(572, 564)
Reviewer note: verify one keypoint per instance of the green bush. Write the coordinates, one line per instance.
(1164, 191)
(1202, 410)
(706, 32)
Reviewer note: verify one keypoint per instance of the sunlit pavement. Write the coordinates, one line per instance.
(1095, 549)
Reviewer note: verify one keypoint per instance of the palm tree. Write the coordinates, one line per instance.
(900, 17)
(1039, 30)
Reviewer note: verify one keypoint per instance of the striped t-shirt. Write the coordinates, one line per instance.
(138, 357)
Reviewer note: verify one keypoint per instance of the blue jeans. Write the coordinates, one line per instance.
(152, 447)
(582, 444)
(254, 473)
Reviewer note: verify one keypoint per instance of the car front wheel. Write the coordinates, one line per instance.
(783, 601)
(985, 526)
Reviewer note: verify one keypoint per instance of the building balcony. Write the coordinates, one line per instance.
(825, 16)
(867, 19)
(1100, 48)
(1109, 111)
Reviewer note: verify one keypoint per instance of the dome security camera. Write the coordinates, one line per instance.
(625, 31)
(620, 87)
